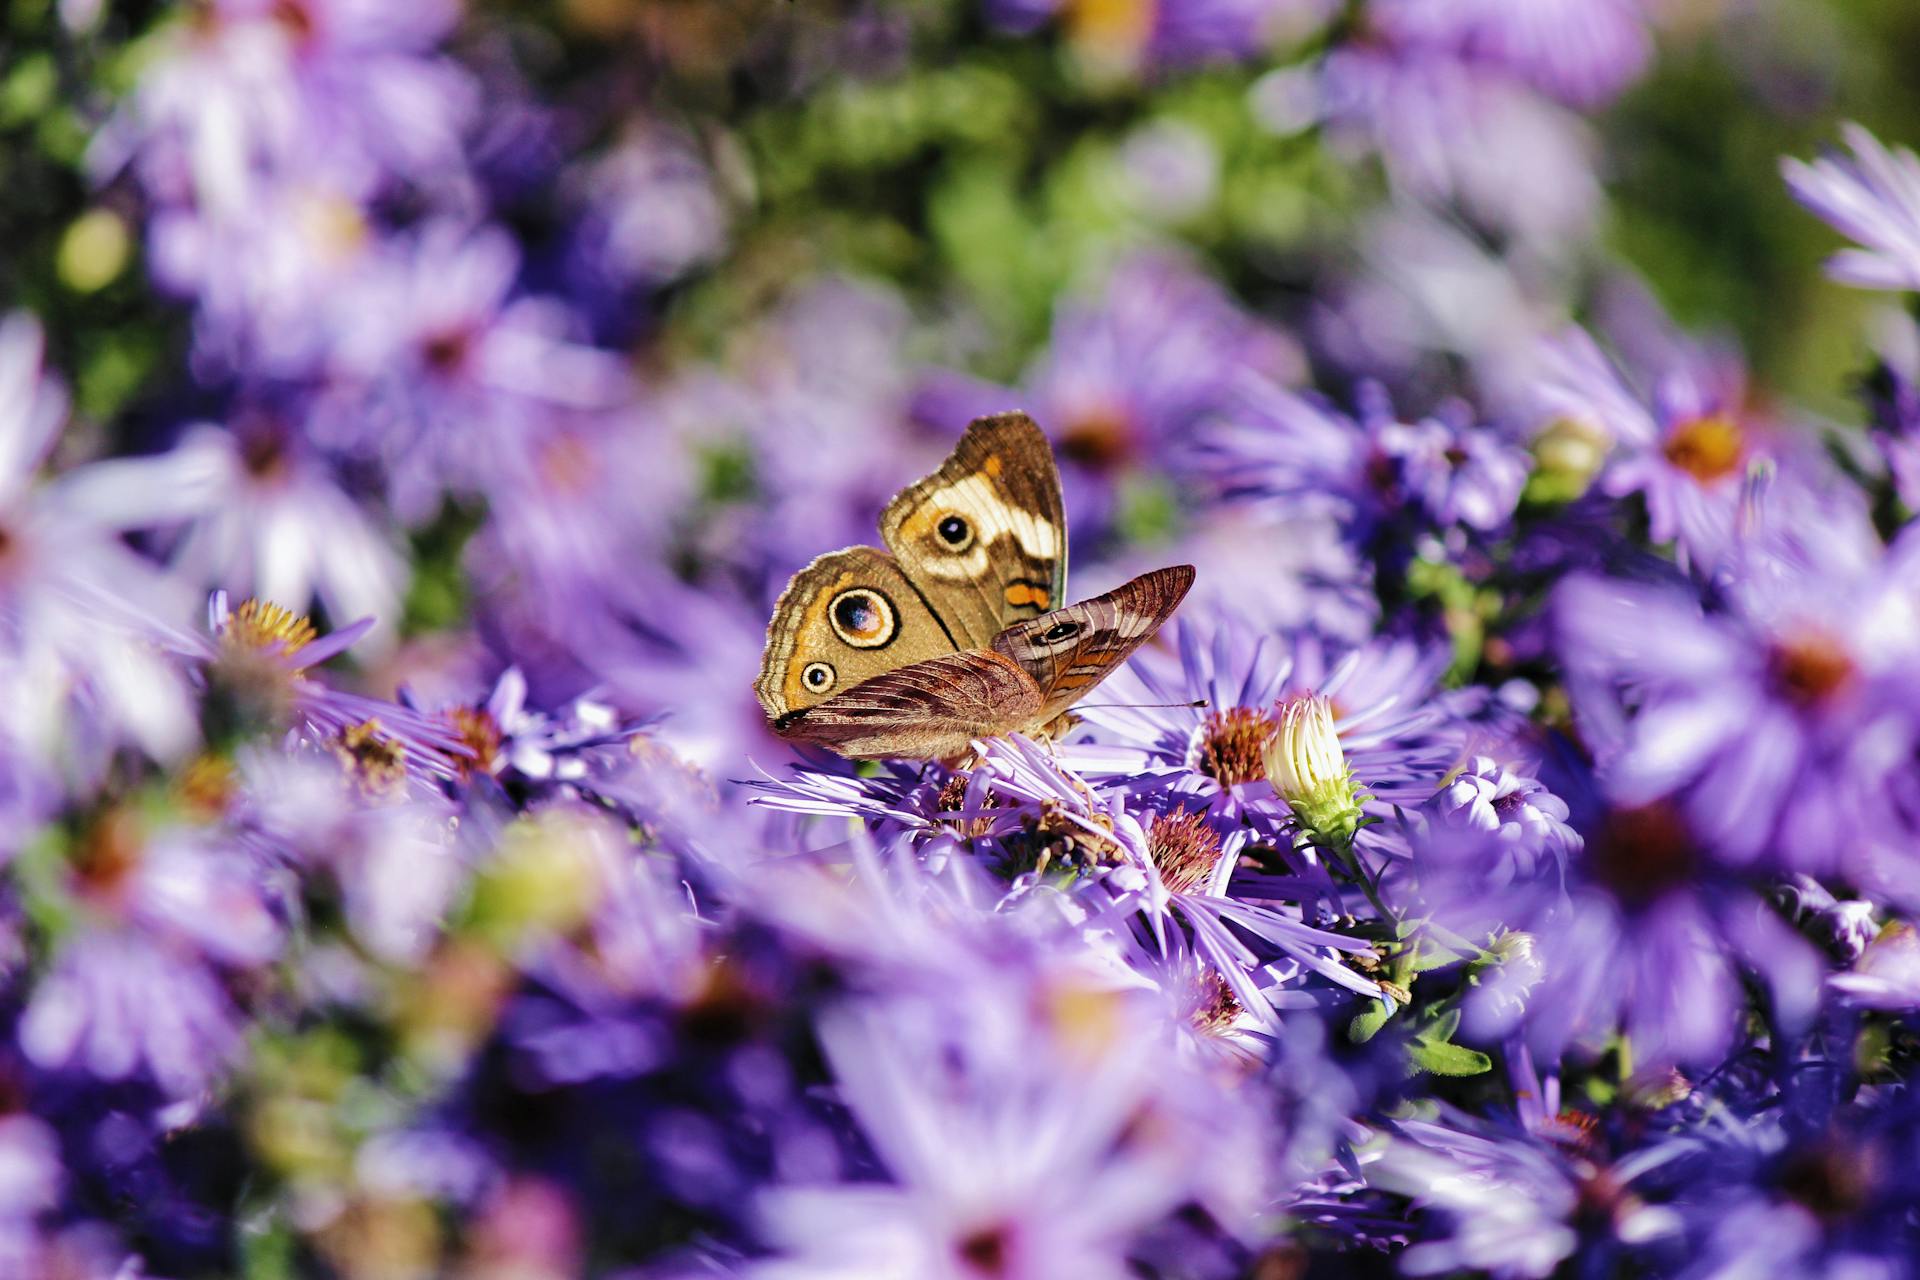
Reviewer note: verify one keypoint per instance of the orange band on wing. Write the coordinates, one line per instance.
(1025, 593)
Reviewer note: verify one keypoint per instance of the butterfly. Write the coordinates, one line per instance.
(953, 633)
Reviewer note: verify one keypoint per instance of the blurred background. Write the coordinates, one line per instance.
(562, 333)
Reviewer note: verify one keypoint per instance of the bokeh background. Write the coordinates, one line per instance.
(520, 351)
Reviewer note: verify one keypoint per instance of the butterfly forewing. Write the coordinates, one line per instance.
(1070, 650)
(929, 710)
(984, 537)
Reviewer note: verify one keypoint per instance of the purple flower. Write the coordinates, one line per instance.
(1580, 51)
(1136, 35)
(249, 94)
(260, 514)
(1527, 822)
(1519, 1195)
(1640, 936)
(992, 1167)
(1127, 376)
(1298, 456)
(81, 617)
(1872, 197)
(652, 210)
(446, 378)
(1768, 722)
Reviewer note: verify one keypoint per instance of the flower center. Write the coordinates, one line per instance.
(263, 627)
(1831, 1179)
(263, 453)
(1705, 448)
(106, 858)
(1099, 440)
(376, 761)
(988, 1251)
(1642, 854)
(1810, 668)
(1218, 1006)
(445, 352)
(479, 732)
(1230, 745)
(1184, 849)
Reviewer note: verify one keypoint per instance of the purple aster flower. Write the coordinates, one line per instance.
(446, 378)
(244, 94)
(81, 617)
(119, 1003)
(258, 512)
(31, 1178)
(1639, 935)
(1873, 198)
(1768, 722)
(1824, 1192)
(993, 1167)
(1892, 393)
(1127, 377)
(1521, 1194)
(1687, 445)
(1297, 455)
(1526, 821)
(1582, 52)
(1151, 736)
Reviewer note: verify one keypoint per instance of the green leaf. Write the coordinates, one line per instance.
(1365, 1025)
(1444, 1059)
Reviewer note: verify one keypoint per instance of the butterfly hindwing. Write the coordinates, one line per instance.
(847, 617)
(984, 537)
(927, 710)
(1068, 651)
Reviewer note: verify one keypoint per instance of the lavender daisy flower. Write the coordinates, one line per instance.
(1580, 52)
(258, 511)
(1518, 1198)
(1872, 197)
(256, 662)
(1127, 377)
(1757, 718)
(1297, 455)
(993, 1168)
(1527, 822)
(1393, 734)
(81, 618)
(248, 93)
(652, 210)
(1640, 934)
(446, 378)
(1686, 447)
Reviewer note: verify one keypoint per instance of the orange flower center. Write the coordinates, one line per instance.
(1231, 743)
(1707, 448)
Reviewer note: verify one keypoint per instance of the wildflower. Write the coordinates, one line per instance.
(1307, 769)
(1873, 198)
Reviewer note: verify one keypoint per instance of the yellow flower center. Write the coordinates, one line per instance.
(375, 761)
(263, 627)
(1706, 448)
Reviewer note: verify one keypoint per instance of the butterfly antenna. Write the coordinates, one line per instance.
(1196, 704)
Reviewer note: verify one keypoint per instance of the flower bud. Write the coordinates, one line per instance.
(1309, 771)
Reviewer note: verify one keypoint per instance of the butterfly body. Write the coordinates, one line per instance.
(955, 635)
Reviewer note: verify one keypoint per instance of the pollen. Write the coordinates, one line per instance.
(1229, 749)
(1810, 668)
(1706, 448)
(480, 733)
(264, 627)
(1214, 1015)
(376, 761)
(1184, 848)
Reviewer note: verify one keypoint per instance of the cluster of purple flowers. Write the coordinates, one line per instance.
(1507, 863)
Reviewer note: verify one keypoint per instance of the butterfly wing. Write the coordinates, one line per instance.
(926, 711)
(1070, 650)
(984, 537)
(847, 617)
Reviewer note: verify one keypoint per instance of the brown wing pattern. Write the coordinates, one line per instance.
(928, 710)
(984, 537)
(846, 617)
(1070, 650)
